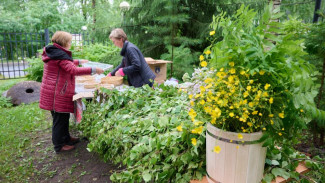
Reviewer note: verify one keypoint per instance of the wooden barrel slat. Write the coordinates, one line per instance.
(244, 164)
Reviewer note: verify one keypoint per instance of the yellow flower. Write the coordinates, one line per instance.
(262, 72)
(192, 103)
(208, 80)
(251, 104)
(197, 130)
(240, 136)
(254, 112)
(271, 100)
(208, 109)
(267, 86)
(193, 141)
(232, 71)
(248, 88)
(265, 94)
(271, 115)
(264, 129)
(230, 79)
(260, 114)
(190, 96)
(197, 123)
(217, 149)
(281, 115)
(180, 128)
(246, 94)
(201, 57)
(202, 88)
(204, 64)
(216, 113)
(272, 122)
(231, 114)
(202, 102)
(242, 72)
(282, 129)
(192, 113)
(251, 81)
(231, 64)
(208, 52)
(212, 33)
(250, 124)
(301, 110)
(280, 134)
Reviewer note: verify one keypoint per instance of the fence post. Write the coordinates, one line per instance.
(47, 38)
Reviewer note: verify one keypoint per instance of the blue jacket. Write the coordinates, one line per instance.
(134, 66)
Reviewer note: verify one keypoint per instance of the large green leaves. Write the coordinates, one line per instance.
(137, 128)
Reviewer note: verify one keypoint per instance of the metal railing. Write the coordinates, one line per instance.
(16, 48)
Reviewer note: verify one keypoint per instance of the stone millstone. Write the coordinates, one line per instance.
(24, 92)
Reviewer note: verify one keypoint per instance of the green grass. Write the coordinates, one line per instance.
(17, 126)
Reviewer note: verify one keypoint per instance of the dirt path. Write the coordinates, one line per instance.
(78, 165)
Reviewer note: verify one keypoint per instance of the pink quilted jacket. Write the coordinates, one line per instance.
(58, 83)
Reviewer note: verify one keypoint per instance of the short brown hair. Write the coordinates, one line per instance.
(62, 38)
(118, 34)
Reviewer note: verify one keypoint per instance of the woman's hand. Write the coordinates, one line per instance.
(99, 70)
(117, 73)
(83, 61)
(109, 75)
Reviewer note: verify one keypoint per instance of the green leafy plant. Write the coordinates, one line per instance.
(35, 69)
(266, 73)
(315, 46)
(5, 102)
(258, 81)
(137, 128)
(98, 53)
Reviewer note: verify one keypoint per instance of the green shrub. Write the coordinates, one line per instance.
(35, 69)
(137, 128)
(98, 53)
(183, 60)
(5, 102)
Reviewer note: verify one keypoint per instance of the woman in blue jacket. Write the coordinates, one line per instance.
(133, 63)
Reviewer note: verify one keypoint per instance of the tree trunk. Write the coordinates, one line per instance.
(317, 7)
(83, 9)
(94, 12)
(321, 140)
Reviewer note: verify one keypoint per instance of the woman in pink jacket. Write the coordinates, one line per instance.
(58, 87)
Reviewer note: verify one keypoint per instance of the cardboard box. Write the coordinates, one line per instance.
(159, 67)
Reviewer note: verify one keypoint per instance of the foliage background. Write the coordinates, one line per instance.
(158, 27)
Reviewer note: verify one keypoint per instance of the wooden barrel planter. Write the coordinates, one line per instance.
(239, 161)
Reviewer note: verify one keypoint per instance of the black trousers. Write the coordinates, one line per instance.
(60, 129)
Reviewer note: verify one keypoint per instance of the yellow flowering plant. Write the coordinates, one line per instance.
(236, 101)
(252, 80)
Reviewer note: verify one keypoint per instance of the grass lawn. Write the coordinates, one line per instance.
(17, 124)
(27, 154)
